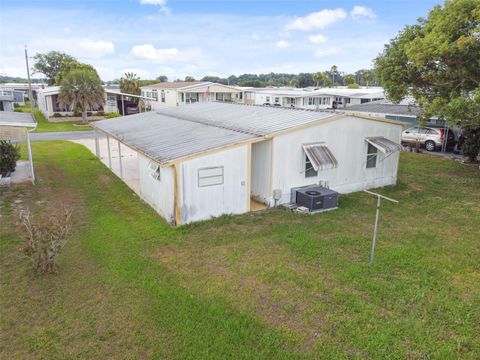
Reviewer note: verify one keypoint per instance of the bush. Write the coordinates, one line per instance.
(100, 113)
(353, 86)
(57, 115)
(112, 115)
(46, 237)
(9, 154)
(89, 113)
(471, 143)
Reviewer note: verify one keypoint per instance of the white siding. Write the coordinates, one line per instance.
(346, 139)
(201, 203)
(157, 193)
(261, 167)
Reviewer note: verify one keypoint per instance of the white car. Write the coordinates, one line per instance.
(429, 137)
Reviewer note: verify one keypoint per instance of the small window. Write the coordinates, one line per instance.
(210, 176)
(372, 153)
(277, 100)
(267, 98)
(309, 169)
(162, 95)
(154, 170)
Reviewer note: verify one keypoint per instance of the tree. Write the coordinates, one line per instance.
(349, 79)
(319, 77)
(294, 82)
(70, 65)
(82, 88)
(50, 64)
(162, 78)
(334, 71)
(130, 84)
(437, 62)
(189, 79)
(367, 77)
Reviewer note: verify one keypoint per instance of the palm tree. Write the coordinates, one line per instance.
(294, 82)
(334, 70)
(130, 84)
(82, 88)
(319, 77)
(367, 77)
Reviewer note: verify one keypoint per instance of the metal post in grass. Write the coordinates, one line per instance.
(120, 159)
(109, 154)
(377, 216)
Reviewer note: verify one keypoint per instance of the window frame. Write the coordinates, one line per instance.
(371, 155)
(309, 169)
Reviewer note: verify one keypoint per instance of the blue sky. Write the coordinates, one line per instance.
(179, 37)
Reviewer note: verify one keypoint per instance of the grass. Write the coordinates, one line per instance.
(271, 285)
(45, 126)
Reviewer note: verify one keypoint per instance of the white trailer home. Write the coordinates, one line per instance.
(195, 162)
(188, 92)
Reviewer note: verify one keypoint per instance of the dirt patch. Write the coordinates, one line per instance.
(104, 179)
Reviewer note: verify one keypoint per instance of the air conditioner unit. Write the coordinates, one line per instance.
(316, 198)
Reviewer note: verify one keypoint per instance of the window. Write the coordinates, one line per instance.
(155, 94)
(162, 96)
(310, 101)
(309, 170)
(372, 153)
(267, 98)
(277, 100)
(154, 170)
(210, 176)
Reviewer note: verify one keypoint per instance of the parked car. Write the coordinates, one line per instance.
(131, 109)
(429, 137)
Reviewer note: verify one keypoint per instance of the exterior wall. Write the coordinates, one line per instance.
(261, 168)
(7, 105)
(231, 197)
(346, 140)
(159, 194)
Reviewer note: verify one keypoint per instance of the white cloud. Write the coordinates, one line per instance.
(318, 39)
(282, 44)
(95, 49)
(149, 53)
(327, 52)
(161, 3)
(317, 20)
(362, 11)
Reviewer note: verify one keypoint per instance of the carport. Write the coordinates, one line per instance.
(15, 126)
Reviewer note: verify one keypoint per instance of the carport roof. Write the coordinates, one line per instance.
(12, 118)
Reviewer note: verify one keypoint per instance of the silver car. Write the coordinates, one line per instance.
(429, 137)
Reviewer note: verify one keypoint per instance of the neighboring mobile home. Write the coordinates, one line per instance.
(195, 162)
(115, 102)
(311, 98)
(181, 92)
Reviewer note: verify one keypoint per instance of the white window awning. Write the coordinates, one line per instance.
(320, 156)
(383, 144)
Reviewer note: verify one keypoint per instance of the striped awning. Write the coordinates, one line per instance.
(320, 156)
(383, 144)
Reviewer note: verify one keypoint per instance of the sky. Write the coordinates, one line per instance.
(177, 38)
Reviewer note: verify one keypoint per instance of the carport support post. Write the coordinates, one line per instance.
(123, 106)
(109, 154)
(377, 215)
(97, 147)
(120, 159)
(30, 159)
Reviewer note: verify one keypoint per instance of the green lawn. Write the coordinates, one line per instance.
(45, 126)
(271, 285)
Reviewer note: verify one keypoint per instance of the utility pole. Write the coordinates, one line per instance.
(377, 216)
(30, 93)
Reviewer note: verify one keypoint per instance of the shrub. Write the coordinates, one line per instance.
(471, 142)
(89, 113)
(112, 115)
(353, 86)
(57, 115)
(100, 113)
(9, 154)
(46, 236)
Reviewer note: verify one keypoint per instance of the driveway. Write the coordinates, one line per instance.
(65, 135)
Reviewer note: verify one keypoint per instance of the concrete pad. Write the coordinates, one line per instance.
(21, 175)
(130, 163)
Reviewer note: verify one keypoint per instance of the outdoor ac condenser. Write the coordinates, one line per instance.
(316, 198)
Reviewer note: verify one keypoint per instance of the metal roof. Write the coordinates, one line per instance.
(166, 138)
(256, 120)
(12, 118)
(387, 107)
(383, 144)
(320, 156)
